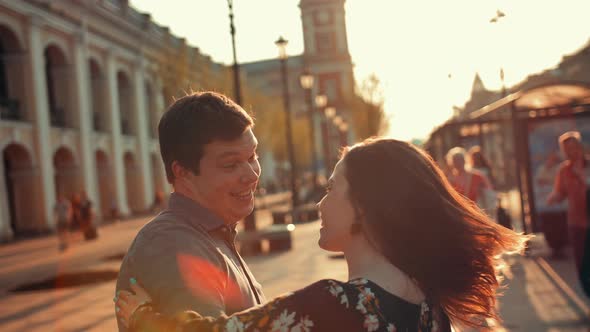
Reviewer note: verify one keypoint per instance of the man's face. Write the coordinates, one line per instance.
(229, 172)
(572, 149)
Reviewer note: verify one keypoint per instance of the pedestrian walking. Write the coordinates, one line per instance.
(75, 203)
(471, 183)
(63, 219)
(87, 217)
(572, 183)
(479, 162)
(420, 256)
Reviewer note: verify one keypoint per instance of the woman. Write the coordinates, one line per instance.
(480, 163)
(399, 223)
(471, 183)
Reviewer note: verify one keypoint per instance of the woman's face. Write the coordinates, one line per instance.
(337, 213)
(458, 162)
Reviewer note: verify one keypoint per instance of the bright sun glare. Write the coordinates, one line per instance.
(426, 53)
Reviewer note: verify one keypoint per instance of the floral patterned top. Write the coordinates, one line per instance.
(327, 305)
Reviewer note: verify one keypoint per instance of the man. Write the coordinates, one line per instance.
(186, 257)
(571, 183)
(87, 217)
(63, 219)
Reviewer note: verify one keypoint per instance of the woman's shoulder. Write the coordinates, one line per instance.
(333, 291)
(331, 284)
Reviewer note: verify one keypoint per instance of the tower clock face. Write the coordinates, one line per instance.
(323, 16)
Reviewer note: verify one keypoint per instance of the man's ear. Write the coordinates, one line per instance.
(178, 170)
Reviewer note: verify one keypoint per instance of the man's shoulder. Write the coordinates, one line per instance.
(170, 228)
(168, 221)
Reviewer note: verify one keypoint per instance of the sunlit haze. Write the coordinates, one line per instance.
(425, 53)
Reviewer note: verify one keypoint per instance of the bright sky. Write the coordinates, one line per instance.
(412, 46)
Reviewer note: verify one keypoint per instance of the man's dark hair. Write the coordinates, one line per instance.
(195, 120)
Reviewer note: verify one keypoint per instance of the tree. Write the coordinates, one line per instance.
(271, 130)
(183, 69)
(174, 71)
(366, 106)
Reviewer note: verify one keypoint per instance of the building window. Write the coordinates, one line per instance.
(322, 17)
(331, 89)
(325, 41)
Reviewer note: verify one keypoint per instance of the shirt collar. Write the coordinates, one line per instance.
(194, 212)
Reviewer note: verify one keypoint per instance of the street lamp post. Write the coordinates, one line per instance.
(282, 44)
(236, 66)
(306, 81)
(343, 128)
(329, 113)
(250, 221)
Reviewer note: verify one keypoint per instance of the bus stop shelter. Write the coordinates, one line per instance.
(516, 133)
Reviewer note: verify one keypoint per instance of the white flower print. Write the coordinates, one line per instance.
(367, 293)
(391, 328)
(434, 326)
(284, 321)
(424, 308)
(234, 325)
(304, 325)
(358, 282)
(344, 300)
(336, 289)
(371, 323)
(360, 306)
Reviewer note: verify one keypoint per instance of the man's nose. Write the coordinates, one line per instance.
(251, 174)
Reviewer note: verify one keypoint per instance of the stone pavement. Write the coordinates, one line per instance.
(542, 294)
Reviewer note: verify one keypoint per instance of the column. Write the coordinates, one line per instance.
(5, 229)
(161, 108)
(141, 112)
(117, 157)
(87, 160)
(41, 119)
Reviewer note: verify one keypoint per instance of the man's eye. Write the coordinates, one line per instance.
(230, 166)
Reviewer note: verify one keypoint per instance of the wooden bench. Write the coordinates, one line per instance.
(282, 216)
(303, 213)
(306, 213)
(277, 237)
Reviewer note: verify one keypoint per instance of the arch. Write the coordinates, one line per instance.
(67, 173)
(20, 182)
(68, 144)
(9, 39)
(57, 77)
(60, 44)
(97, 95)
(21, 143)
(132, 183)
(12, 66)
(125, 92)
(15, 28)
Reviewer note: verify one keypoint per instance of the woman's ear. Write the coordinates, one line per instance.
(359, 219)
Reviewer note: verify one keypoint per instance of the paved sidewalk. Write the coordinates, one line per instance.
(541, 293)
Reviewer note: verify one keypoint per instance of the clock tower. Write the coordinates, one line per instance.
(326, 48)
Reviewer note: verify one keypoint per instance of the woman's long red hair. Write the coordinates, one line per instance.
(427, 229)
